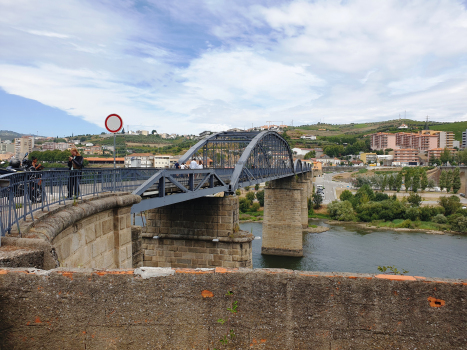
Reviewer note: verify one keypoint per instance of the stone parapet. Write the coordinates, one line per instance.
(163, 308)
(91, 233)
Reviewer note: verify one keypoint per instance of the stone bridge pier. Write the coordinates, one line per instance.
(202, 232)
(286, 215)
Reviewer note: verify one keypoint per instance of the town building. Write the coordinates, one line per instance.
(7, 148)
(146, 160)
(368, 158)
(436, 152)
(382, 140)
(23, 145)
(405, 156)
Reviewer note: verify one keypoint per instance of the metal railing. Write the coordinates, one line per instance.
(23, 193)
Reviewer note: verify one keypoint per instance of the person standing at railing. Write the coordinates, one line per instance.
(75, 164)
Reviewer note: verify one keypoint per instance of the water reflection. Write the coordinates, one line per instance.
(355, 249)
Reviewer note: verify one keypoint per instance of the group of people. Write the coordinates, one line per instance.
(190, 165)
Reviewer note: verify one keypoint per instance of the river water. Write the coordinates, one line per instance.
(353, 249)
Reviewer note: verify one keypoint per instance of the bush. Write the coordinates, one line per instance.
(342, 211)
(427, 213)
(244, 205)
(247, 188)
(238, 192)
(254, 207)
(459, 223)
(346, 195)
(260, 197)
(256, 187)
(412, 213)
(406, 224)
(381, 197)
(317, 200)
(440, 219)
(450, 204)
(414, 199)
(250, 196)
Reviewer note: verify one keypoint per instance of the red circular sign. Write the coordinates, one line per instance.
(113, 123)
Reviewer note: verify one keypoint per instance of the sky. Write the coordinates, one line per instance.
(182, 66)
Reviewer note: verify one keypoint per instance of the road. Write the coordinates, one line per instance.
(329, 187)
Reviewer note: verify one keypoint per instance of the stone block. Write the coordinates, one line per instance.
(107, 226)
(90, 233)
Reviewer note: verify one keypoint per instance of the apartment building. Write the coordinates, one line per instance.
(422, 141)
(61, 146)
(405, 156)
(464, 139)
(23, 145)
(382, 140)
(436, 152)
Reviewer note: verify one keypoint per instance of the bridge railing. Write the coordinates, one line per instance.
(23, 193)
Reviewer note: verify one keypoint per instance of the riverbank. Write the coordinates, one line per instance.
(369, 225)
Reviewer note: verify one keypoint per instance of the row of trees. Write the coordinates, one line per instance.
(368, 206)
(452, 158)
(414, 179)
(247, 204)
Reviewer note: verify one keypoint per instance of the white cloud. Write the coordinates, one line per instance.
(184, 66)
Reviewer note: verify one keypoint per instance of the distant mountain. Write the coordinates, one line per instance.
(9, 135)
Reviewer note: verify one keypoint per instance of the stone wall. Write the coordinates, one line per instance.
(202, 232)
(91, 233)
(156, 308)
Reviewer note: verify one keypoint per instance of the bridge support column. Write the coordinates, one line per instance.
(282, 224)
(202, 232)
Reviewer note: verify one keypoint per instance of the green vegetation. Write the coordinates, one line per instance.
(229, 335)
(391, 270)
(456, 127)
(383, 211)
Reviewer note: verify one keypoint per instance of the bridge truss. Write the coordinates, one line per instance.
(230, 160)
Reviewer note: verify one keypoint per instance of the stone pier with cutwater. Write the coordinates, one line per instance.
(285, 215)
(203, 232)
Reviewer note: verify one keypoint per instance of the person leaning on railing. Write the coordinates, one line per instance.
(75, 164)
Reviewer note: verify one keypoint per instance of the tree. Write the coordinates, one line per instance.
(398, 182)
(123, 130)
(415, 182)
(391, 182)
(250, 196)
(346, 195)
(431, 183)
(448, 180)
(153, 132)
(384, 183)
(244, 205)
(450, 204)
(424, 181)
(342, 211)
(445, 156)
(256, 187)
(456, 180)
(317, 200)
(260, 197)
(442, 180)
(407, 181)
(311, 154)
(414, 199)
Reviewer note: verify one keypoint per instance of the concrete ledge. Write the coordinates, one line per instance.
(240, 237)
(164, 308)
(48, 251)
(282, 252)
(49, 226)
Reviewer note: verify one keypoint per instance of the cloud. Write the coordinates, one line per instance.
(184, 66)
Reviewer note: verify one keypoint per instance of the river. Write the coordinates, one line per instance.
(348, 248)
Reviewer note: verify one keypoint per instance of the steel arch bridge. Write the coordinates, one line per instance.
(230, 160)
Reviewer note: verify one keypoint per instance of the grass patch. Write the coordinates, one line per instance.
(319, 216)
(313, 226)
(362, 171)
(457, 128)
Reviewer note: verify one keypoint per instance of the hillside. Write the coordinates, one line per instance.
(362, 129)
(9, 135)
